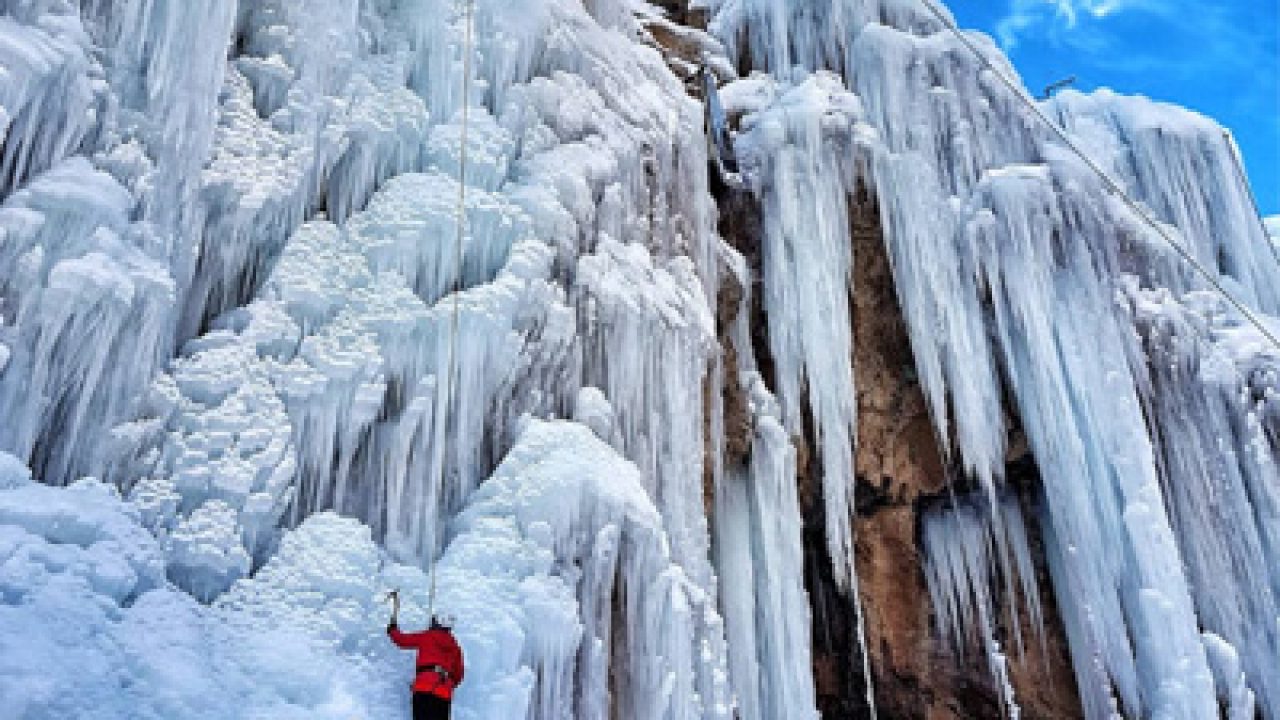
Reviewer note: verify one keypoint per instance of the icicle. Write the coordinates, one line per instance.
(46, 91)
(968, 549)
(352, 354)
(281, 150)
(787, 151)
(647, 336)
(758, 545)
(73, 280)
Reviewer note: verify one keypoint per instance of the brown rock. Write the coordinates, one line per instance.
(897, 446)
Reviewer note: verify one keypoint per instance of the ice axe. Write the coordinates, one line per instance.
(394, 597)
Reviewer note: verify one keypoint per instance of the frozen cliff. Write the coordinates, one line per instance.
(754, 359)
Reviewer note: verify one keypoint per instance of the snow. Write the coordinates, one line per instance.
(84, 605)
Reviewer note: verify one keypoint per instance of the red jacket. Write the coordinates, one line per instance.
(436, 648)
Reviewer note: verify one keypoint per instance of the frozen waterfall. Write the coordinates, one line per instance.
(227, 297)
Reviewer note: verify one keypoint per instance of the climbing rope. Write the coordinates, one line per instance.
(1253, 199)
(1110, 182)
(452, 364)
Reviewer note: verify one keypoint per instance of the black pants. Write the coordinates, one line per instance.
(429, 707)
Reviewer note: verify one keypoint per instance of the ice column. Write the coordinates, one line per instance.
(1213, 393)
(758, 550)
(647, 335)
(798, 151)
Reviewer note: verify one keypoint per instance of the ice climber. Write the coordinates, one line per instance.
(439, 666)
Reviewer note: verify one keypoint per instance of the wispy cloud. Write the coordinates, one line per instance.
(1062, 16)
(1122, 34)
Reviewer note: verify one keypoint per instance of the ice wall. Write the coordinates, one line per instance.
(1011, 263)
(226, 287)
(305, 227)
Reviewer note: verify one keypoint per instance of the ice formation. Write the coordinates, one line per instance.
(227, 289)
(967, 547)
(561, 537)
(1012, 265)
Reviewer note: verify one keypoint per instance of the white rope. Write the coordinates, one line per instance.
(452, 363)
(1110, 182)
(1238, 162)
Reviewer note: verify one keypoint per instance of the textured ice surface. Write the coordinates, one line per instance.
(284, 404)
(88, 628)
(562, 531)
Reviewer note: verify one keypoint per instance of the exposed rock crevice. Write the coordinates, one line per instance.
(901, 471)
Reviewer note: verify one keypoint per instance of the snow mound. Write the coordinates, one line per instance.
(12, 472)
(89, 628)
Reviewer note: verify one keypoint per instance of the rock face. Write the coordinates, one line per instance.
(901, 471)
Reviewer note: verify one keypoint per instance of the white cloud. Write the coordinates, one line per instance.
(1141, 36)
(1057, 16)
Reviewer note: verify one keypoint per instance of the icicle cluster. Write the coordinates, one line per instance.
(1012, 264)
(968, 550)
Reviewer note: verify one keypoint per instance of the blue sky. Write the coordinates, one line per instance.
(1219, 57)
